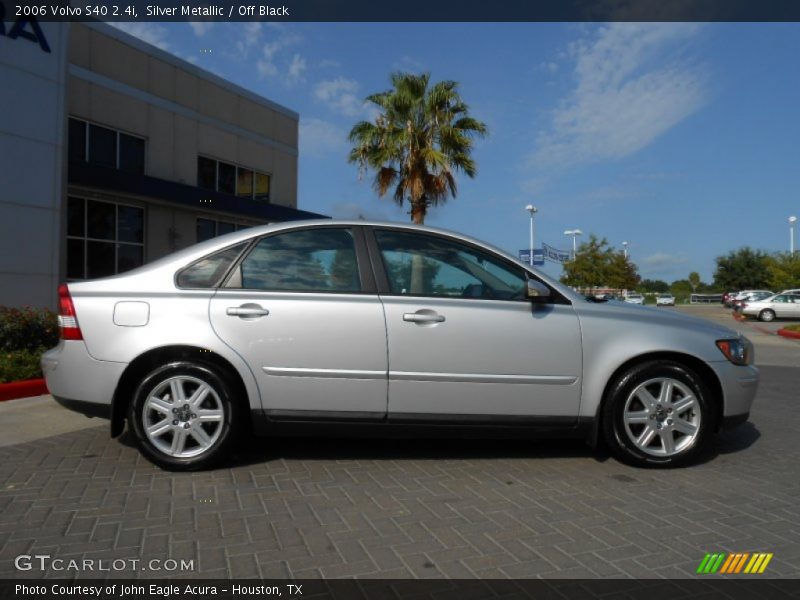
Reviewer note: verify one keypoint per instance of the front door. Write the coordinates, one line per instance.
(298, 314)
(465, 343)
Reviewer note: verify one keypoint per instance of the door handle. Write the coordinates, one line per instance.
(246, 310)
(423, 317)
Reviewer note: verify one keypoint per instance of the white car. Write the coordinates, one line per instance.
(777, 306)
(746, 293)
(665, 300)
(634, 299)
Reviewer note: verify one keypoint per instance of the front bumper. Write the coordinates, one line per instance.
(739, 388)
(78, 381)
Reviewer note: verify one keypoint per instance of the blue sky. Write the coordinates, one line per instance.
(682, 139)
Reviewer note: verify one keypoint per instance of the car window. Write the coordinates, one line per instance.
(782, 299)
(306, 260)
(209, 270)
(426, 265)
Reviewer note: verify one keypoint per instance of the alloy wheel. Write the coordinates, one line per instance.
(662, 417)
(183, 417)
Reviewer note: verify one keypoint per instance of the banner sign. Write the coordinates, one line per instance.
(555, 255)
(538, 256)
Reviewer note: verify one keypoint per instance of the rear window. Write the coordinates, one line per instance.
(209, 270)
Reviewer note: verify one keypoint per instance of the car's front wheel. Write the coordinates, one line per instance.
(658, 414)
(182, 415)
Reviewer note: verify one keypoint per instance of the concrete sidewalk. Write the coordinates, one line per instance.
(28, 419)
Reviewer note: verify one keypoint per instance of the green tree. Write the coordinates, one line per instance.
(596, 264)
(694, 280)
(681, 288)
(783, 271)
(741, 269)
(657, 286)
(422, 136)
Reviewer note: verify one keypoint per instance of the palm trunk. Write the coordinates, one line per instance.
(418, 209)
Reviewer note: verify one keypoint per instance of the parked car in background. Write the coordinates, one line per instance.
(792, 291)
(387, 329)
(744, 293)
(727, 298)
(779, 306)
(665, 300)
(752, 297)
(634, 299)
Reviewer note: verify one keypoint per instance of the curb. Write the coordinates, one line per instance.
(22, 389)
(795, 335)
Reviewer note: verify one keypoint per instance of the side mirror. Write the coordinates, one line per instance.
(537, 291)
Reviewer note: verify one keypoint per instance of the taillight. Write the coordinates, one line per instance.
(67, 319)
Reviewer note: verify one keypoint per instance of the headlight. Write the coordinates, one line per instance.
(739, 351)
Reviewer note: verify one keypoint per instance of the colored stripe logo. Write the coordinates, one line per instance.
(734, 563)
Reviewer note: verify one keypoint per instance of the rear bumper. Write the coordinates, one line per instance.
(78, 381)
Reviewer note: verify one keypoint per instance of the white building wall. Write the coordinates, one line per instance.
(32, 169)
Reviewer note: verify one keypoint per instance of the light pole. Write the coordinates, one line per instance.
(625, 249)
(792, 221)
(533, 210)
(574, 233)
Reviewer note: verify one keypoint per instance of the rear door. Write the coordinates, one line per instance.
(302, 311)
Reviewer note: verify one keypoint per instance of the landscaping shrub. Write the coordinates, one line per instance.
(25, 334)
(795, 328)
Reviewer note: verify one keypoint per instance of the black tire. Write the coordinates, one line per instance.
(220, 399)
(766, 315)
(617, 435)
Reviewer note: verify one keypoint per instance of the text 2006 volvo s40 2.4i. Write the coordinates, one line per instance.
(389, 329)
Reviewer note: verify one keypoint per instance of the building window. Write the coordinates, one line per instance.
(77, 140)
(102, 146)
(262, 187)
(244, 183)
(103, 238)
(231, 179)
(206, 173)
(227, 178)
(131, 154)
(210, 228)
(105, 147)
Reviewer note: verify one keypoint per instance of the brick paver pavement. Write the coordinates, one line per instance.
(396, 509)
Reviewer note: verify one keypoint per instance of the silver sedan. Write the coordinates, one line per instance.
(384, 329)
(773, 307)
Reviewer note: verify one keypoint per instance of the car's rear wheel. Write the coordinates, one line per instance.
(766, 315)
(183, 415)
(658, 414)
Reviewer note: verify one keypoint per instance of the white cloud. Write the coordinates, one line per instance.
(340, 95)
(318, 137)
(249, 36)
(663, 261)
(200, 28)
(631, 88)
(267, 65)
(551, 67)
(152, 33)
(296, 68)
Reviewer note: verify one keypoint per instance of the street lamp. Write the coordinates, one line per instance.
(625, 249)
(574, 233)
(792, 220)
(533, 210)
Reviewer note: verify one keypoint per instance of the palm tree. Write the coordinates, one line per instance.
(421, 136)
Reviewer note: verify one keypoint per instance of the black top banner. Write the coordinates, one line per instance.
(405, 10)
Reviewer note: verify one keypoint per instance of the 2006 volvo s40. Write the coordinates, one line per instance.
(386, 329)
